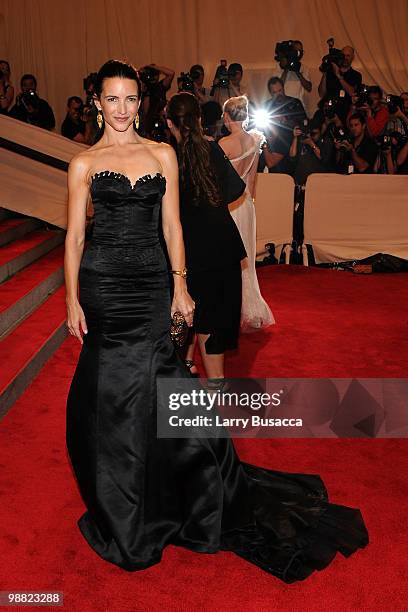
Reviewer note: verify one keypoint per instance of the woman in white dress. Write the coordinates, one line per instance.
(242, 148)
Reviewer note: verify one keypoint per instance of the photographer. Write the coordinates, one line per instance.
(6, 88)
(327, 117)
(370, 103)
(310, 152)
(339, 75)
(30, 108)
(227, 83)
(153, 98)
(398, 114)
(211, 120)
(284, 113)
(73, 126)
(358, 151)
(203, 94)
(294, 74)
(393, 158)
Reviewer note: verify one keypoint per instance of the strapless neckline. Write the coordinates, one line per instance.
(119, 175)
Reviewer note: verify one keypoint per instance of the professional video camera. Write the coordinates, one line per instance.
(185, 82)
(334, 56)
(393, 103)
(287, 51)
(31, 98)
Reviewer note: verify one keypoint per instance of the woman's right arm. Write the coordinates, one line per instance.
(78, 192)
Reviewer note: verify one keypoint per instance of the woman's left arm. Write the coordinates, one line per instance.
(173, 233)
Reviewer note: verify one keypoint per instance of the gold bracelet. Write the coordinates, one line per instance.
(182, 273)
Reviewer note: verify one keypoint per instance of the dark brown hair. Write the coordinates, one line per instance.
(113, 68)
(193, 151)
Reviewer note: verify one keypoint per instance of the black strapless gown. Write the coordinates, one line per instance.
(143, 493)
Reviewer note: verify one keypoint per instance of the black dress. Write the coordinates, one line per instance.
(214, 250)
(143, 492)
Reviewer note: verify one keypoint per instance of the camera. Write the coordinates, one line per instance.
(30, 98)
(159, 130)
(222, 75)
(334, 56)
(363, 96)
(329, 109)
(393, 103)
(286, 50)
(393, 140)
(88, 86)
(305, 129)
(185, 82)
(148, 75)
(89, 81)
(384, 142)
(340, 134)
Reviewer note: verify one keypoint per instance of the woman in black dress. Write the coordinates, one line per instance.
(143, 492)
(213, 245)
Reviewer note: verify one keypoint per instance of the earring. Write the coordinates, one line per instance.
(136, 121)
(99, 120)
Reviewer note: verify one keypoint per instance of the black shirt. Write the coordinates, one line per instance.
(333, 88)
(70, 128)
(211, 237)
(367, 150)
(280, 143)
(286, 112)
(333, 85)
(306, 161)
(43, 118)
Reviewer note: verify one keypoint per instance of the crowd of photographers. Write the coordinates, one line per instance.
(356, 128)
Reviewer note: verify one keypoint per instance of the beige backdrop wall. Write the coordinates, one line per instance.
(62, 41)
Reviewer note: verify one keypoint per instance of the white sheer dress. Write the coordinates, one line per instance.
(255, 313)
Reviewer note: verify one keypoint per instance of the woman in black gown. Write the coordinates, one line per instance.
(143, 492)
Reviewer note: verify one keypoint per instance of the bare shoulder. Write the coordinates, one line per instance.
(82, 161)
(225, 143)
(165, 154)
(80, 164)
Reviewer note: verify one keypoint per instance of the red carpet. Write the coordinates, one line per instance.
(328, 324)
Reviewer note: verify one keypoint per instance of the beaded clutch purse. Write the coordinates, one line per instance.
(178, 329)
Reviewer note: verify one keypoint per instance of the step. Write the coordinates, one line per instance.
(22, 252)
(12, 229)
(27, 348)
(24, 291)
(4, 213)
